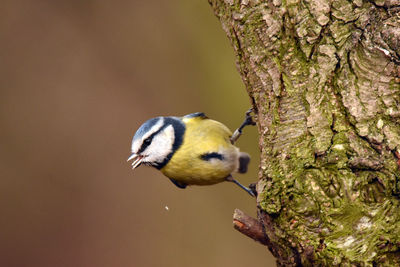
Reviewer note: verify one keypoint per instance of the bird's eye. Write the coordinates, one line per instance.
(147, 141)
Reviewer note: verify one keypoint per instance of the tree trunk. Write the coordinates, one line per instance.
(324, 80)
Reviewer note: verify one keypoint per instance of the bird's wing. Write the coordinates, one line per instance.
(196, 115)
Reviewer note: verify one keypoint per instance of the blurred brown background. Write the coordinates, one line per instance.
(77, 78)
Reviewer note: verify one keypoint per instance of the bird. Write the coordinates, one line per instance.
(191, 150)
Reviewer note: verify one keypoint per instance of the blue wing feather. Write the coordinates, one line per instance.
(195, 115)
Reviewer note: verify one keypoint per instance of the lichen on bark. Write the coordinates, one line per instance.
(324, 79)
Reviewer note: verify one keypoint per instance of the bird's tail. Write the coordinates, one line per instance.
(244, 160)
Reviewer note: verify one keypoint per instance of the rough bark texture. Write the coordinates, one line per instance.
(324, 78)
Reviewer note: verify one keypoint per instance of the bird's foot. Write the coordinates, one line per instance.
(247, 121)
(248, 190)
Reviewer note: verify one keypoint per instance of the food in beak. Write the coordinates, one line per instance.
(137, 159)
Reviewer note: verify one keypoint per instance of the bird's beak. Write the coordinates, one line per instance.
(137, 159)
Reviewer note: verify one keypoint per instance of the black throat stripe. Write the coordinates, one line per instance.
(179, 131)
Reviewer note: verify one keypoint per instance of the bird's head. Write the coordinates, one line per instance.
(156, 140)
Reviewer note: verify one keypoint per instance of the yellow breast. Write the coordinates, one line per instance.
(203, 136)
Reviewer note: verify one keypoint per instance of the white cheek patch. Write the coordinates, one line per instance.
(138, 143)
(161, 146)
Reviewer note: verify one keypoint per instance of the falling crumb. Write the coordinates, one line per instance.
(166, 208)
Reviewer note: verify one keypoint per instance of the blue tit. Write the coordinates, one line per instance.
(190, 150)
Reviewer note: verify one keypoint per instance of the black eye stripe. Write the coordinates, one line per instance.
(149, 139)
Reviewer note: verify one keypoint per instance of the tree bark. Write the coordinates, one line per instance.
(324, 80)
